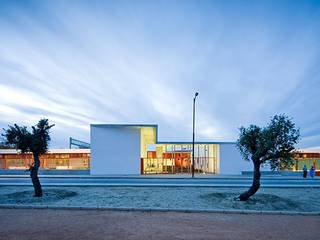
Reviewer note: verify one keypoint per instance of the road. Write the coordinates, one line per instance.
(159, 181)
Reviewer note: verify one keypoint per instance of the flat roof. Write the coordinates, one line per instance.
(61, 150)
(307, 150)
(200, 142)
(124, 125)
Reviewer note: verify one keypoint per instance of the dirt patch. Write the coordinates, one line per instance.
(49, 195)
(202, 198)
(260, 201)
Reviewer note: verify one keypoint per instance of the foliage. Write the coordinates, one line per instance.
(35, 141)
(272, 144)
(3, 144)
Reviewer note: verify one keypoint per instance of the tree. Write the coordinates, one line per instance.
(272, 144)
(35, 141)
(3, 144)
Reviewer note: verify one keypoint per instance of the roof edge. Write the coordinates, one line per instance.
(122, 125)
(196, 142)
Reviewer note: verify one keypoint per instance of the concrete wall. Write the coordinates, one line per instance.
(114, 150)
(231, 161)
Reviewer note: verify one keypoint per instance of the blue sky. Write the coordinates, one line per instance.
(82, 62)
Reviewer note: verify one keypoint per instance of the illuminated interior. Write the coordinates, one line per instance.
(155, 157)
(306, 158)
(173, 157)
(52, 160)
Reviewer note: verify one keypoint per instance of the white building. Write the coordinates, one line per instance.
(135, 149)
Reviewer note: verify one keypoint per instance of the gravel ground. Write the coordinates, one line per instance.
(47, 224)
(197, 198)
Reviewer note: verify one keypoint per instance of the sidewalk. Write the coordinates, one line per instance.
(162, 176)
(50, 224)
(160, 180)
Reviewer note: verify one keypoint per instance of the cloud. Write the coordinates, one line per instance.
(122, 62)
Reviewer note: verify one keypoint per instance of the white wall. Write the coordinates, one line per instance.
(114, 150)
(231, 161)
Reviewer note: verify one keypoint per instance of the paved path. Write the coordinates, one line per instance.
(160, 181)
(50, 224)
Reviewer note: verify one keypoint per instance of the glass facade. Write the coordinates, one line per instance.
(177, 158)
(62, 160)
(170, 158)
(307, 158)
(156, 158)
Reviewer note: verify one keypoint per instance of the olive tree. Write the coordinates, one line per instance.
(35, 141)
(271, 145)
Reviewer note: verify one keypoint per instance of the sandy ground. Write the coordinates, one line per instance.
(50, 224)
(198, 198)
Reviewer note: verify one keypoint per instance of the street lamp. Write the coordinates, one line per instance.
(193, 123)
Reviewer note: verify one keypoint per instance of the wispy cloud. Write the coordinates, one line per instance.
(88, 62)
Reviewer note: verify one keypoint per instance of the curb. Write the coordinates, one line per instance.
(164, 177)
(156, 185)
(290, 213)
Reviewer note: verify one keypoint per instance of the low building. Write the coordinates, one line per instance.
(55, 159)
(307, 157)
(135, 149)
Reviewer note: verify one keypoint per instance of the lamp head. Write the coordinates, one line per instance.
(196, 94)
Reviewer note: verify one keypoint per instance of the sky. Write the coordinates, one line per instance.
(83, 62)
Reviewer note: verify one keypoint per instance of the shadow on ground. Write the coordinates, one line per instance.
(26, 197)
(193, 198)
(260, 201)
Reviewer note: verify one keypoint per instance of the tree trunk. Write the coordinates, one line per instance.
(34, 176)
(255, 184)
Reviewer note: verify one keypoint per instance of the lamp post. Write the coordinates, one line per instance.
(193, 123)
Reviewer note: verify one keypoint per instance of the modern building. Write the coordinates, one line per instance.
(135, 149)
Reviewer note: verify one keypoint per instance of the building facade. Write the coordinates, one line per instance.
(55, 159)
(308, 158)
(135, 149)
